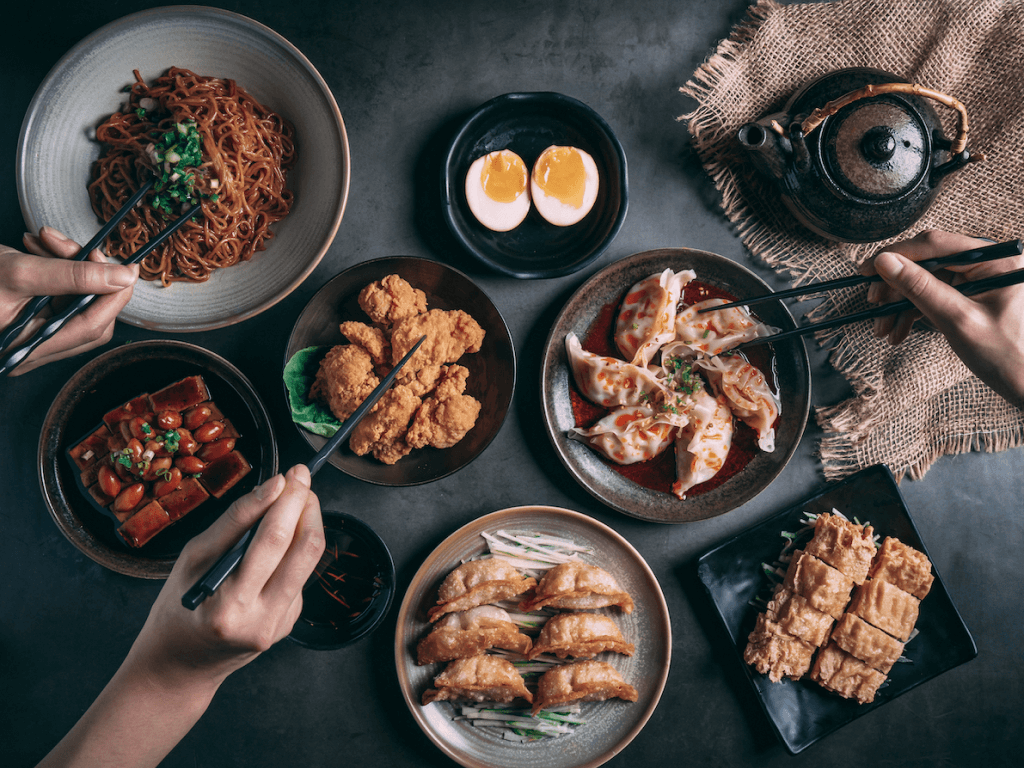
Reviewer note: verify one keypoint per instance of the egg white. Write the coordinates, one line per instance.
(495, 215)
(554, 210)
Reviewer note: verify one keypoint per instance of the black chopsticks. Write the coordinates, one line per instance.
(967, 289)
(972, 256)
(15, 357)
(214, 577)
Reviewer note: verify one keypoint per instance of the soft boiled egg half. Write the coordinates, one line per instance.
(498, 191)
(564, 185)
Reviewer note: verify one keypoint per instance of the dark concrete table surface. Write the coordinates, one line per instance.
(403, 74)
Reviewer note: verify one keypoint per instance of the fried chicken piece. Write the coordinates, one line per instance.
(445, 418)
(383, 429)
(421, 382)
(391, 300)
(450, 334)
(372, 340)
(344, 380)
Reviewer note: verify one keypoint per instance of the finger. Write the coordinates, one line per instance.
(86, 331)
(232, 525)
(904, 324)
(58, 244)
(301, 558)
(32, 275)
(935, 299)
(276, 531)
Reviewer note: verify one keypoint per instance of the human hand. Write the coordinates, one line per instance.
(24, 276)
(986, 331)
(257, 604)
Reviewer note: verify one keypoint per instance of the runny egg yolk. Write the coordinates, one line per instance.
(503, 176)
(559, 172)
(497, 190)
(564, 184)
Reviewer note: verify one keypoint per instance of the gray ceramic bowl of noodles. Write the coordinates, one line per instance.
(57, 148)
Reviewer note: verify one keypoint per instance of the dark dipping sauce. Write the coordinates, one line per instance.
(345, 583)
(659, 473)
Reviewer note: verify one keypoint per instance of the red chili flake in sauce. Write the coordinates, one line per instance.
(659, 473)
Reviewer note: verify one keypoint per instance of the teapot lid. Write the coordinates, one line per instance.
(877, 148)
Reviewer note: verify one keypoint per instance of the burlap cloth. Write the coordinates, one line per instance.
(915, 402)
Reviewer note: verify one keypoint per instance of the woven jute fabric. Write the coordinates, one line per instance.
(914, 402)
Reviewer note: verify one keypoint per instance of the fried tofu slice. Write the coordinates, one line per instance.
(450, 335)
(865, 642)
(444, 418)
(470, 633)
(887, 607)
(391, 300)
(479, 582)
(581, 681)
(577, 586)
(776, 654)
(795, 617)
(382, 431)
(839, 672)
(826, 589)
(846, 546)
(478, 678)
(345, 378)
(903, 566)
(580, 635)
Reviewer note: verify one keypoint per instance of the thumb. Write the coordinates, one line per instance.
(936, 300)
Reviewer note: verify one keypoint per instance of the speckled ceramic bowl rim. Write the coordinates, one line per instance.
(133, 19)
(508, 519)
(52, 436)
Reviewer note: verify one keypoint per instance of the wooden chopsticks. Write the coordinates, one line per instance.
(973, 256)
(12, 358)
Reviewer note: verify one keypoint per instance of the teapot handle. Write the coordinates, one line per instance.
(818, 115)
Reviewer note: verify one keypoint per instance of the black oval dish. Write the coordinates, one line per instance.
(341, 529)
(528, 123)
(103, 384)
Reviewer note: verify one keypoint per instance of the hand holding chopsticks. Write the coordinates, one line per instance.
(220, 570)
(972, 256)
(11, 357)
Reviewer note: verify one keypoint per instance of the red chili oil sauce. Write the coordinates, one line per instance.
(659, 473)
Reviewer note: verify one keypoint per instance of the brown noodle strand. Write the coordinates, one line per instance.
(247, 147)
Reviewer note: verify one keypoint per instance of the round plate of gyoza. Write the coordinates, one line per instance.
(646, 402)
(477, 595)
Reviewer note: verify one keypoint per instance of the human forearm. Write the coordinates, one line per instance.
(134, 722)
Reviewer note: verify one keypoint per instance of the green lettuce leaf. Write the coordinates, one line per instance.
(299, 373)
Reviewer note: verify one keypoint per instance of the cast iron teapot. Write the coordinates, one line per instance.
(867, 164)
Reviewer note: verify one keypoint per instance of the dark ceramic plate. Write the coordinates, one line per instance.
(592, 471)
(339, 631)
(103, 384)
(610, 725)
(528, 123)
(492, 370)
(801, 712)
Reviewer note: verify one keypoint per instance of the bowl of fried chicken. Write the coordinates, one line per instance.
(450, 399)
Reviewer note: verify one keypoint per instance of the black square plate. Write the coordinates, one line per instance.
(801, 712)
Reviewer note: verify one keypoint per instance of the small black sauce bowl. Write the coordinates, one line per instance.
(313, 629)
